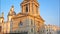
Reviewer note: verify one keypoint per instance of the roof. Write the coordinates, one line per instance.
(24, 15)
(1, 17)
(10, 14)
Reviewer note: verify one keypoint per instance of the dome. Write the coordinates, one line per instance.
(12, 12)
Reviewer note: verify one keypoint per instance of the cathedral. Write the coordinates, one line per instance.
(28, 21)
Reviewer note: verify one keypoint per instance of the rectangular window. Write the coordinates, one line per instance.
(0, 28)
(32, 30)
(36, 9)
(26, 8)
(31, 22)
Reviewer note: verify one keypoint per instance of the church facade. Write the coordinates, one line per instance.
(27, 21)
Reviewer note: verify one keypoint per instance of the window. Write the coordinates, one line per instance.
(47, 29)
(11, 24)
(32, 30)
(36, 9)
(47, 33)
(31, 22)
(2, 21)
(20, 24)
(0, 28)
(26, 8)
(50, 33)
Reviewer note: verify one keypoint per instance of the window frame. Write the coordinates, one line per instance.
(26, 7)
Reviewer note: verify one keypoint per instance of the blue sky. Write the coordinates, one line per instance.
(49, 9)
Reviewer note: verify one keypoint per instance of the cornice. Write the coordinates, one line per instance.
(24, 15)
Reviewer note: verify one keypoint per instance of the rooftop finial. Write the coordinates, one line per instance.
(2, 14)
(12, 6)
(12, 11)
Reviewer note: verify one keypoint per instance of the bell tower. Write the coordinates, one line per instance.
(11, 13)
(1, 22)
(30, 7)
